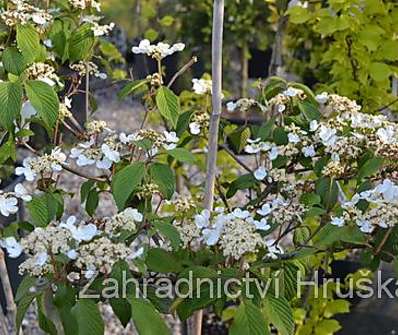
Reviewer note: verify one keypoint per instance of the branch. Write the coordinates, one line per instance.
(192, 61)
(217, 43)
(9, 296)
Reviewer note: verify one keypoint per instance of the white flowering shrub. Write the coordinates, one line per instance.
(317, 177)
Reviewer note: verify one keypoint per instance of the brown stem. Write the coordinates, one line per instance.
(383, 241)
(9, 296)
(192, 61)
(217, 44)
(80, 174)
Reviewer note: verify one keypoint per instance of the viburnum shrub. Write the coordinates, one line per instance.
(314, 182)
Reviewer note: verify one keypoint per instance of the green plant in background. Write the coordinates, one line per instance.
(350, 47)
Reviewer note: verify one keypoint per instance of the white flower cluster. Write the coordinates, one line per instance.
(282, 99)
(44, 165)
(245, 105)
(9, 200)
(84, 4)
(158, 51)
(202, 86)
(105, 147)
(199, 122)
(21, 12)
(382, 211)
(88, 247)
(125, 220)
(43, 72)
(98, 29)
(236, 233)
(83, 67)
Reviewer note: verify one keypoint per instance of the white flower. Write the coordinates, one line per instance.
(260, 173)
(82, 232)
(90, 272)
(110, 154)
(171, 140)
(14, 249)
(389, 191)
(8, 205)
(337, 221)
(365, 226)
(48, 43)
(314, 125)
(158, 51)
(281, 108)
(72, 254)
(308, 151)
(322, 98)
(386, 135)
(21, 192)
(273, 250)
(265, 210)
(202, 86)
(274, 153)
(211, 236)
(26, 170)
(39, 18)
(240, 214)
(126, 139)
(194, 128)
(231, 106)
(41, 258)
(291, 92)
(133, 214)
(328, 136)
(293, 138)
(202, 219)
(262, 224)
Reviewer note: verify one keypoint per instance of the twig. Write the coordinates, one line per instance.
(192, 61)
(80, 174)
(388, 105)
(87, 91)
(9, 296)
(383, 241)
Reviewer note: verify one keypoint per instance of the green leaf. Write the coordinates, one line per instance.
(309, 110)
(241, 183)
(168, 104)
(265, 131)
(280, 314)
(44, 100)
(81, 43)
(379, 71)
(330, 234)
(10, 103)
(328, 190)
(147, 319)
(122, 308)
(310, 199)
(88, 317)
(125, 182)
(42, 209)
(280, 136)
(85, 190)
(164, 177)
(370, 167)
(327, 327)
(238, 138)
(22, 307)
(92, 202)
(160, 260)
(24, 287)
(170, 232)
(28, 41)
(299, 15)
(13, 61)
(133, 87)
(183, 155)
(183, 122)
(249, 320)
